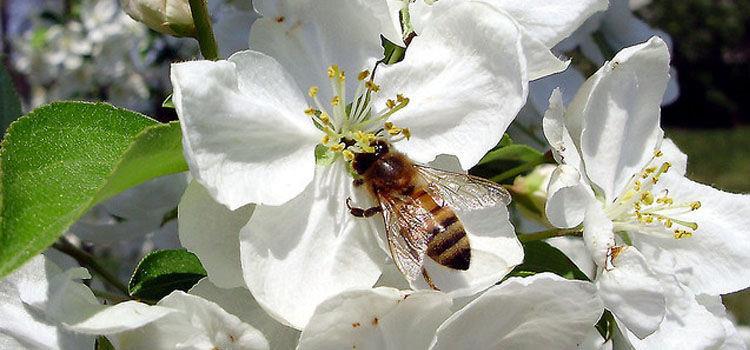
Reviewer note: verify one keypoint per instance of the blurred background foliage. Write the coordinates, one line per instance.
(712, 56)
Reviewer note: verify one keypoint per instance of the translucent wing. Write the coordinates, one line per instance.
(463, 190)
(407, 233)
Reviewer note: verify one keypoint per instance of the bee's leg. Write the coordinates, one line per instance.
(362, 212)
(428, 279)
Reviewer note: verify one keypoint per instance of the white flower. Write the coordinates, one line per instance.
(250, 137)
(539, 312)
(628, 189)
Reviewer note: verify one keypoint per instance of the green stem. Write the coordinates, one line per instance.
(89, 261)
(555, 232)
(204, 34)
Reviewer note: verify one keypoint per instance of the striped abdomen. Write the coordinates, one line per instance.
(449, 244)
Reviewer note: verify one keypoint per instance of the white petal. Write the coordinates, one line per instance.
(562, 143)
(212, 232)
(621, 115)
(687, 324)
(245, 134)
(308, 36)
(568, 197)
(551, 20)
(241, 303)
(732, 337)
(540, 61)
(373, 319)
(461, 92)
(196, 324)
(296, 255)
(716, 257)
(119, 318)
(598, 234)
(633, 292)
(575, 250)
(25, 328)
(544, 311)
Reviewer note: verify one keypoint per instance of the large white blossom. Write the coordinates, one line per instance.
(657, 237)
(539, 312)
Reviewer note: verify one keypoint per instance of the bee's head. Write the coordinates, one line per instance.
(363, 161)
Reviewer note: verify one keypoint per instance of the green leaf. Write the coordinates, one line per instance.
(541, 257)
(505, 163)
(10, 104)
(164, 271)
(63, 158)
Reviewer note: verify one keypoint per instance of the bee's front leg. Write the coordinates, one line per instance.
(362, 212)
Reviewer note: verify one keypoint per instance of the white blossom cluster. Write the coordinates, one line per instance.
(269, 134)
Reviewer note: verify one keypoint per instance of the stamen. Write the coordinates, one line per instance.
(363, 75)
(313, 92)
(639, 210)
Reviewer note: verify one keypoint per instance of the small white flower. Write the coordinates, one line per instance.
(539, 312)
(250, 136)
(628, 189)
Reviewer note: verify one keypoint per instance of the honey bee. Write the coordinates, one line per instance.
(418, 205)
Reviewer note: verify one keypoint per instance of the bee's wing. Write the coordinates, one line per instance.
(407, 233)
(462, 190)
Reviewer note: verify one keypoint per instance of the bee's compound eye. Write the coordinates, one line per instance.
(381, 148)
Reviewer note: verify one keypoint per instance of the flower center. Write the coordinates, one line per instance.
(351, 128)
(638, 209)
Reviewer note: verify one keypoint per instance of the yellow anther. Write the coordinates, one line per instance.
(390, 104)
(335, 101)
(394, 131)
(348, 155)
(332, 71)
(406, 133)
(388, 125)
(665, 167)
(679, 234)
(658, 153)
(338, 147)
(342, 76)
(363, 75)
(310, 111)
(668, 223)
(325, 140)
(325, 118)
(647, 198)
(400, 98)
(637, 185)
(695, 205)
(650, 170)
(372, 86)
(313, 91)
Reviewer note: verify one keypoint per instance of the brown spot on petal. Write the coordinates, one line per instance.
(356, 324)
(232, 338)
(375, 321)
(280, 19)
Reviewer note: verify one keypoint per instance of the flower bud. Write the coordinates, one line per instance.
(530, 192)
(171, 17)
